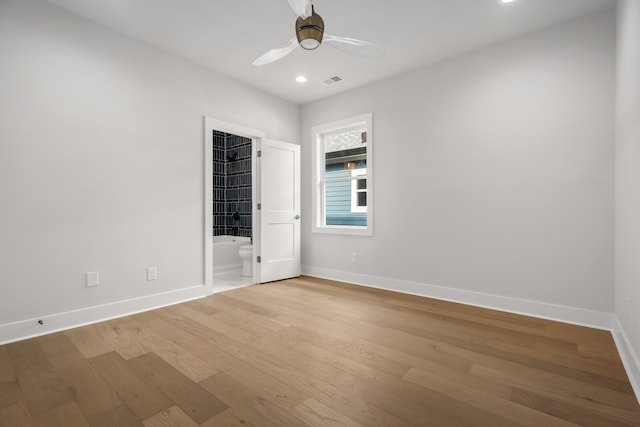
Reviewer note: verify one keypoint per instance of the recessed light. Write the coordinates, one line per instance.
(301, 79)
(507, 1)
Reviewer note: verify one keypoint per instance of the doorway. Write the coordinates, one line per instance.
(231, 192)
(269, 221)
(232, 210)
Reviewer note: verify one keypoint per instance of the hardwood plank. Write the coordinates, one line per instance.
(89, 391)
(340, 391)
(406, 397)
(227, 418)
(88, 341)
(42, 388)
(396, 345)
(230, 306)
(142, 397)
(315, 413)
(191, 366)
(209, 322)
(320, 355)
(616, 405)
(403, 353)
(579, 415)
(164, 329)
(15, 415)
(10, 392)
(250, 322)
(172, 417)
(189, 396)
(202, 306)
(270, 387)
(518, 414)
(257, 410)
(254, 307)
(67, 415)
(355, 349)
(120, 416)
(504, 360)
(386, 395)
(122, 336)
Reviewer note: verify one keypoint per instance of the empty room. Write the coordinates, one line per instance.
(319, 212)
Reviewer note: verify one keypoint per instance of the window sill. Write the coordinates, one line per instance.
(344, 230)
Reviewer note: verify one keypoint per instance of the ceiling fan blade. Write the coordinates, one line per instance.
(301, 8)
(354, 46)
(277, 53)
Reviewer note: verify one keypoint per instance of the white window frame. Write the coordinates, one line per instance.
(318, 170)
(358, 174)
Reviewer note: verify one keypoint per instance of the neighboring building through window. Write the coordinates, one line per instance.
(359, 190)
(343, 170)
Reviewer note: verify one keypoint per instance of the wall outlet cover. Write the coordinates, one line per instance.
(92, 279)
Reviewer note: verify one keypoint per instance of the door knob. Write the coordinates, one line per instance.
(296, 217)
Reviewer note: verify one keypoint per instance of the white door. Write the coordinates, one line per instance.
(279, 246)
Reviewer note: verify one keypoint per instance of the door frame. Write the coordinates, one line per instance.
(256, 137)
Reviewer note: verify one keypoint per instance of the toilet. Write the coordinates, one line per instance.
(246, 255)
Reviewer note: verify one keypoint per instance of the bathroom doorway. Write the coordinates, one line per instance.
(231, 214)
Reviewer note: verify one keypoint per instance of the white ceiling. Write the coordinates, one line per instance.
(227, 35)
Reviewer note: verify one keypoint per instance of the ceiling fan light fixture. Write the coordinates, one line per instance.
(309, 31)
(310, 35)
(310, 43)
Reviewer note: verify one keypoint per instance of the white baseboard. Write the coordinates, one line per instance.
(629, 357)
(30, 328)
(577, 316)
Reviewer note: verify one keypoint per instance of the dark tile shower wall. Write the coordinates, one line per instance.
(219, 183)
(231, 185)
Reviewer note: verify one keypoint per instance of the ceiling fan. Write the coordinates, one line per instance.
(310, 33)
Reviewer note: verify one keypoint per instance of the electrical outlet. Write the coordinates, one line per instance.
(354, 257)
(92, 279)
(152, 273)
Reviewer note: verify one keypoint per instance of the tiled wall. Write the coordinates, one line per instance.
(231, 185)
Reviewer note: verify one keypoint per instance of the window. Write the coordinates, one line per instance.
(342, 190)
(359, 190)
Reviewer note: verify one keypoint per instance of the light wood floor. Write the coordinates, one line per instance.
(313, 352)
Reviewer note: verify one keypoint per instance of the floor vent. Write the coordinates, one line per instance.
(332, 80)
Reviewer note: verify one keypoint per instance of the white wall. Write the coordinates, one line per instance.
(493, 175)
(101, 162)
(627, 163)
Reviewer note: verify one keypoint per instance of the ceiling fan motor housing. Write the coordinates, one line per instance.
(309, 31)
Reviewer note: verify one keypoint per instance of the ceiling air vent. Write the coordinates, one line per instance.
(332, 80)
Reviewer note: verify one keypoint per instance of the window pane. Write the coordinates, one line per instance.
(362, 199)
(338, 205)
(345, 155)
(345, 149)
